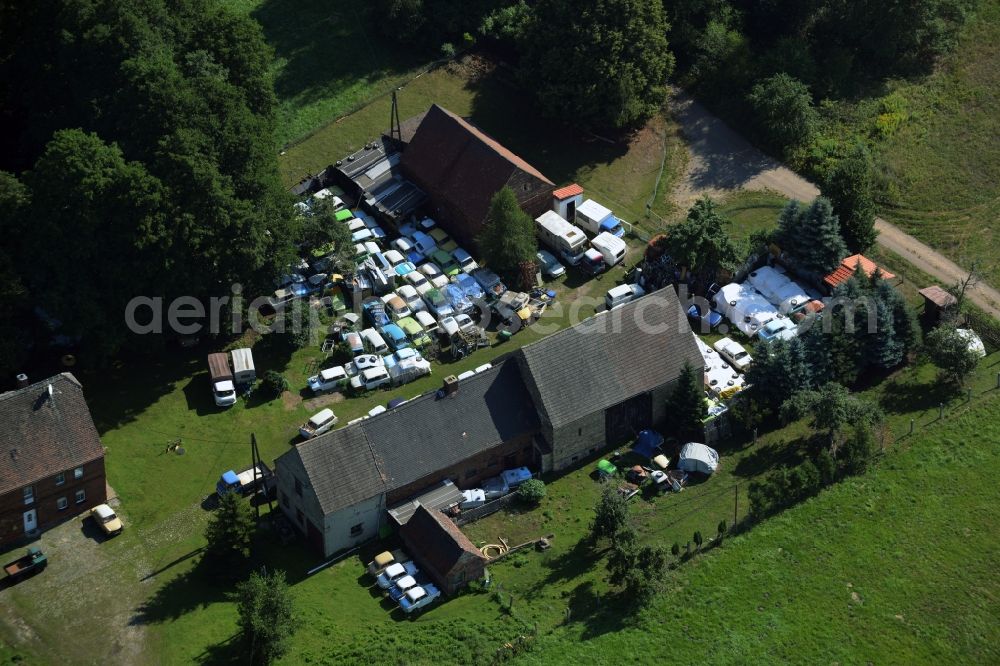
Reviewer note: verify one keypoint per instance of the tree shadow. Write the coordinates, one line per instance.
(557, 150)
(329, 43)
(197, 588)
(767, 457)
(569, 564)
(229, 652)
(900, 398)
(598, 614)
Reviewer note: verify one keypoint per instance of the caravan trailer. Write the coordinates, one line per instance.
(568, 240)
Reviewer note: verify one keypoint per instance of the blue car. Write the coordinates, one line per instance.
(457, 298)
(395, 336)
(714, 318)
(374, 310)
(469, 286)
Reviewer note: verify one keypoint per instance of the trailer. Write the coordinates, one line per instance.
(243, 368)
(247, 481)
(28, 564)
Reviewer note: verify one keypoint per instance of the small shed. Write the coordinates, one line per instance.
(441, 550)
(566, 200)
(936, 301)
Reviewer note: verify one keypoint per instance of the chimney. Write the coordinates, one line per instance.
(22, 380)
(450, 385)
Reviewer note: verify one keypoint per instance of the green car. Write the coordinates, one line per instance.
(447, 262)
(343, 215)
(414, 331)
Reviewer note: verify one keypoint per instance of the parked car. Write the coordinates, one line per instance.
(363, 362)
(408, 250)
(394, 572)
(412, 299)
(489, 281)
(106, 519)
(622, 294)
(374, 311)
(418, 597)
(448, 327)
(396, 337)
(32, 562)
(417, 280)
(414, 331)
(457, 298)
(371, 379)
(446, 261)
(464, 260)
(516, 476)
(469, 286)
(434, 274)
(733, 352)
(694, 314)
(472, 498)
(424, 243)
(381, 561)
(549, 265)
(779, 328)
(466, 374)
(495, 487)
(437, 304)
(396, 306)
(318, 424)
(362, 235)
(401, 586)
(465, 323)
(591, 262)
(330, 379)
(374, 342)
(354, 341)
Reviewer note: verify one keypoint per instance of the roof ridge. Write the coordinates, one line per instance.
(67, 376)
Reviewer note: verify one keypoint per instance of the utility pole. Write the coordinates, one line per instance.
(395, 131)
(258, 476)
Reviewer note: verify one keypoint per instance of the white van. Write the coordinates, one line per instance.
(610, 246)
(375, 343)
(560, 235)
(427, 320)
(622, 294)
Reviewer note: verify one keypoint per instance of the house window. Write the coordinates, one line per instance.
(573, 459)
(81, 496)
(357, 530)
(78, 473)
(469, 473)
(298, 487)
(60, 479)
(300, 517)
(62, 503)
(593, 451)
(579, 432)
(29, 494)
(527, 187)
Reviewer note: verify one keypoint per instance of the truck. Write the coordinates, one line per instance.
(243, 369)
(565, 238)
(610, 246)
(223, 388)
(245, 482)
(595, 218)
(29, 564)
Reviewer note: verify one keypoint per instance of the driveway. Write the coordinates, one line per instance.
(722, 161)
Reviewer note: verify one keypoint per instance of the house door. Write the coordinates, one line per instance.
(30, 520)
(570, 211)
(624, 421)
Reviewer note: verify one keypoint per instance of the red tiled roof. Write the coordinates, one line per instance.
(567, 192)
(847, 267)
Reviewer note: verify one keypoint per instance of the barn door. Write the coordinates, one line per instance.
(624, 421)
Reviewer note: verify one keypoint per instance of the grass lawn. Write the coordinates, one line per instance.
(329, 58)
(944, 163)
(752, 211)
(621, 174)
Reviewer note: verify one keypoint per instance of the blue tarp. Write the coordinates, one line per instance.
(647, 443)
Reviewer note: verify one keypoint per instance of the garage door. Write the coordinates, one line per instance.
(624, 421)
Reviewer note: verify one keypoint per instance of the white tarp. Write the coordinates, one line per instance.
(768, 281)
(975, 343)
(790, 296)
(697, 457)
(719, 375)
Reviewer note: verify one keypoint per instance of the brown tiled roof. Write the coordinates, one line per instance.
(567, 192)
(847, 267)
(938, 296)
(451, 159)
(436, 542)
(408, 127)
(44, 433)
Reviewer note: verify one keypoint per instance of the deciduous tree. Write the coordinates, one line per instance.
(508, 239)
(610, 514)
(782, 111)
(949, 350)
(850, 187)
(267, 619)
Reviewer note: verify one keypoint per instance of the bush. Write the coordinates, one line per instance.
(531, 491)
(448, 50)
(273, 384)
(340, 355)
(783, 113)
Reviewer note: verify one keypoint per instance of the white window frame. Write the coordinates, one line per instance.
(62, 503)
(81, 496)
(29, 495)
(78, 473)
(60, 478)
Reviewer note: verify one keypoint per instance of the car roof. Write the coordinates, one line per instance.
(321, 416)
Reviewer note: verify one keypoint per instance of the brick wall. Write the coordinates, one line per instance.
(46, 497)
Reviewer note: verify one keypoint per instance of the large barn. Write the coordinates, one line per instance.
(546, 406)
(461, 168)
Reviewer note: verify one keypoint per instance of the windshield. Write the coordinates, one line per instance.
(107, 519)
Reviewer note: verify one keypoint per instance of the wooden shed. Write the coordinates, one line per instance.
(936, 301)
(441, 550)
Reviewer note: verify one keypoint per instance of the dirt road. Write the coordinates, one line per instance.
(721, 161)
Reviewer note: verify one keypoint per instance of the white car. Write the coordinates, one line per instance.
(362, 363)
(396, 306)
(371, 379)
(464, 260)
(434, 274)
(448, 326)
(328, 380)
(733, 352)
(375, 411)
(466, 374)
(418, 597)
(411, 298)
(622, 294)
(465, 323)
(418, 281)
(394, 257)
(394, 572)
(318, 424)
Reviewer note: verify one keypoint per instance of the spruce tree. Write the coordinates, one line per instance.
(686, 406)
(822, 247)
